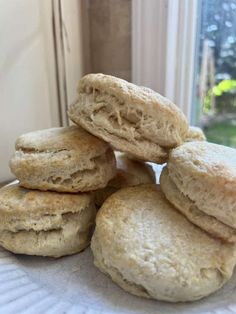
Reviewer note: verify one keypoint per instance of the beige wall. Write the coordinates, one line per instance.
(110, 37)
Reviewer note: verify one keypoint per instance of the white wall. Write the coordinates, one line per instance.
(25, 95)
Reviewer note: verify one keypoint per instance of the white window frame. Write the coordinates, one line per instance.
(163, 48)
(68, 41)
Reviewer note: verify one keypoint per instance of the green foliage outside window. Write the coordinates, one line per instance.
(225, 94)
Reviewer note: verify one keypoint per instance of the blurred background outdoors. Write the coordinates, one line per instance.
(185, 50)
(214, 105)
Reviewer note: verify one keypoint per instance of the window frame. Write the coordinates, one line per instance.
(164, 60)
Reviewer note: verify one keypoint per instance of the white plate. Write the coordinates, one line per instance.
(73, 285)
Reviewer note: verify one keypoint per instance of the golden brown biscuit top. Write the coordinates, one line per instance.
(143, 219)
(208, 160)
(59, 139)
(16, 201)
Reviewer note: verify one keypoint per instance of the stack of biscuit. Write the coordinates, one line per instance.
(64, 175)
(51, 211)
(173, 242)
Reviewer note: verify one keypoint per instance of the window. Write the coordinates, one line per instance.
(186, 50)
(214, 104)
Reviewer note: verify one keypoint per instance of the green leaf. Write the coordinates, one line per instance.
(223, 87)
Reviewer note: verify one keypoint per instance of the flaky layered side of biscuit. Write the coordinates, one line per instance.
(63, 159)
(45, 223)
(151, 250)
(187, 207)
(133, 119)
(206, 174)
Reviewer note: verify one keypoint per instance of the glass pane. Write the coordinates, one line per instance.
(214, 105)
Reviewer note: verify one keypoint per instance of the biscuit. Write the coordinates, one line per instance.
(205, 173)
(65, 159)
(195, 134)
(45, 223)
(151, 250)
(129, 173)
(190, 210)
(132, 119)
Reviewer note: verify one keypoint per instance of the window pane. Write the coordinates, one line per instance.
(214, 105)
